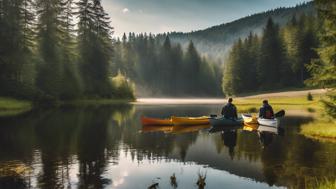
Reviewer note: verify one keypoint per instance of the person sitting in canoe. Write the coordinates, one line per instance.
(229, 111)
(266, 111)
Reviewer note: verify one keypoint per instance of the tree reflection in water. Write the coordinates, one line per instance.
(76, 148)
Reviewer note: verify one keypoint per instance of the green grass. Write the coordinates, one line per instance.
(327, 185)
(279, 103)
(286, 89)
(10, 106)
(321, 130)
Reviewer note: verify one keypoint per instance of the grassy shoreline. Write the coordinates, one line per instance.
(327, 184)
(321, 130)
(11, 106)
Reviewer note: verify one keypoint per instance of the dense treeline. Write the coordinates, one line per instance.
(276, 59)
(159, 67)
(42, 56)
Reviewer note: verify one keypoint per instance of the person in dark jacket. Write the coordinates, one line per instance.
(266, 111)
(229, 111)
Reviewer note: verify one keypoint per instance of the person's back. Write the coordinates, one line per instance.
(229, 111)
(266, 111)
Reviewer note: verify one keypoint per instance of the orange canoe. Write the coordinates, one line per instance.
(155, 121)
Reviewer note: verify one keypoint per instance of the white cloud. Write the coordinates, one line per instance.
(125, 10)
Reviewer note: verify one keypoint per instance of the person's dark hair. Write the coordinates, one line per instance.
(265, 101)
(230, 100)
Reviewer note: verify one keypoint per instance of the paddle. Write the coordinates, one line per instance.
(281, 113)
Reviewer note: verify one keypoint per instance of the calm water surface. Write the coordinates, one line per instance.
(106, 147)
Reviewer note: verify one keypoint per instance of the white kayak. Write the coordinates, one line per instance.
(267, 129)
(268, 122)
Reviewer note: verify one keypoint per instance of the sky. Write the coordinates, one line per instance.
(158, 16)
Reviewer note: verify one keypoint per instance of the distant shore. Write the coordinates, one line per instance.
(294, 102)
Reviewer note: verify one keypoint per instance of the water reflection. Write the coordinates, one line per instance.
(101, 147)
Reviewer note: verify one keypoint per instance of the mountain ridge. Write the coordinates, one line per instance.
(216, 41)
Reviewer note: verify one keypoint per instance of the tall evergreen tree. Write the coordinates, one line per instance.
(16, 37)
(50, 71)
(324, 69)
(271, 58)
(71, 84)
(232, 81)
(94, 37)
(191, 69)
(167, 65)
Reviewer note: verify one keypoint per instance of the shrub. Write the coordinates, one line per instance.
(310, 97)
(123, 88)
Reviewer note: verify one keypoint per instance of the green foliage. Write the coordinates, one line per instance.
(160, 67)
(9, 106)
(123, 87)
(276, 59)
(240, 72)
(216, 41)
(95, 48)
(16, 47)
(327, 184)
(310, 97)
(320, 130)
(42, 58)
(323, 69)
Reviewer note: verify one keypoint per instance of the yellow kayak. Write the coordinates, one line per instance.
(249, 119)
(250, 127)
(190, 120)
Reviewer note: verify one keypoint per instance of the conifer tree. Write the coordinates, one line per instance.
(50, 70)
(191, 69)
(324, 69)
(16, 37)
(271, 57)
(71, 84)
(94, 37)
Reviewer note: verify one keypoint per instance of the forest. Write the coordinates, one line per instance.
(57, 50)
(161, 68)
(63, 50)
(278, 58)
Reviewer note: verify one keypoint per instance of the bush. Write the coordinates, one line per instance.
(310, 97)
(123, 88)
(311, 110)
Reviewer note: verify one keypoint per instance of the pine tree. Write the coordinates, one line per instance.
(95, 44)
(167, 66)
(191, 69)
(323, 70)
(50, 71)
(16, 38)
(71, 81)
(232, 81)
(269, 68)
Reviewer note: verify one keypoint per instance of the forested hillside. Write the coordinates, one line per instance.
(216, 41)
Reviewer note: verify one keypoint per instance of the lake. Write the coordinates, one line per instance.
(107, 147)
